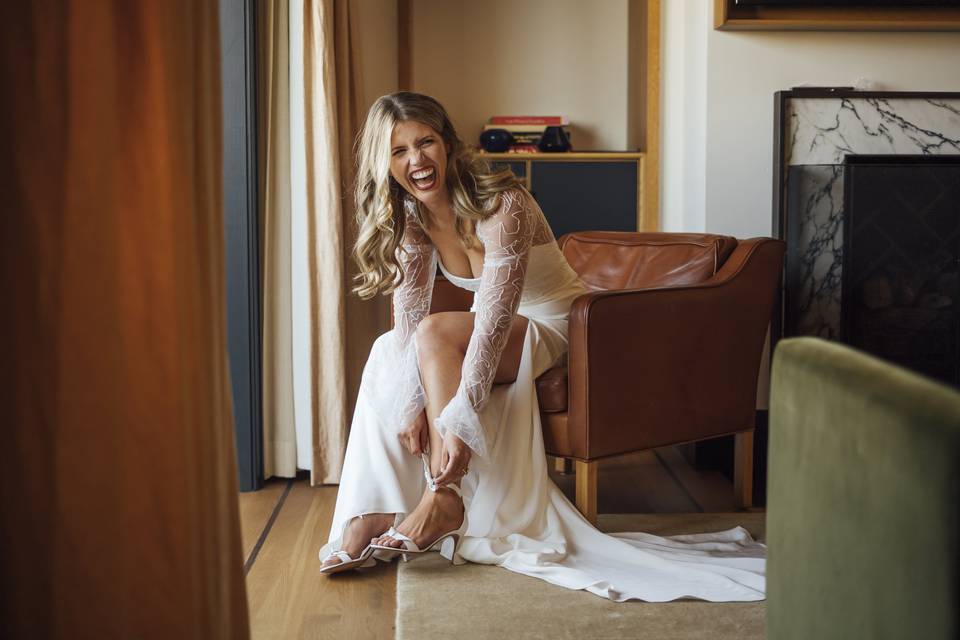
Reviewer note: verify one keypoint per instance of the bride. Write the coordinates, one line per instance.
(445, 449)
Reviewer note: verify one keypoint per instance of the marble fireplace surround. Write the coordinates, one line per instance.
(815, 129)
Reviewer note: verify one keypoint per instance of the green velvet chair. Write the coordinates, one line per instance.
(863, 519)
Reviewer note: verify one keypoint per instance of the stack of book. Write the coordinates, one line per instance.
(526, 130)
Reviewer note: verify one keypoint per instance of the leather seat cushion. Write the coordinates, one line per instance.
(557, 437)
(552, 390)
(449, 297)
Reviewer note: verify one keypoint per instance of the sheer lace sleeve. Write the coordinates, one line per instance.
(506, 237)
(411, 300)
(411, 303)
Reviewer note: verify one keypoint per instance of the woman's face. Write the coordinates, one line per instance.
(418, 161)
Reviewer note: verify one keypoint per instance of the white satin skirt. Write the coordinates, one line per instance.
(518, 518)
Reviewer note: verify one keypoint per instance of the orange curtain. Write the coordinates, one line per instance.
(118, 479)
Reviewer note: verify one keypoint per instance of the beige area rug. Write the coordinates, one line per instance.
(437, 600)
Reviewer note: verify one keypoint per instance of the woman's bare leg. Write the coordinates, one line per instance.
(442, 341)
(440, 373)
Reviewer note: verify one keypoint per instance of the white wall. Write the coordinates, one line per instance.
(481, 58)
(742, 72)
(376, 51)
(683, 115)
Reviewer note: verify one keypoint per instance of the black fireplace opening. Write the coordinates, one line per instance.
(900, 293)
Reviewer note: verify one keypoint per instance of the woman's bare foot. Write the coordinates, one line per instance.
(438, 512)
(358, 532)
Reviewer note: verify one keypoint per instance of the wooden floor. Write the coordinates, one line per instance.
(285, 524)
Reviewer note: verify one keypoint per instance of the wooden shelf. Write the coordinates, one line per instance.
(729, 17)
(565, 155)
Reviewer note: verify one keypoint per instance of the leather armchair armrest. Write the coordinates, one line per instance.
(654, 367)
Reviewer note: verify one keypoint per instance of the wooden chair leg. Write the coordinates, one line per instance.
(563, 465)
(587, 490)
(743, 470)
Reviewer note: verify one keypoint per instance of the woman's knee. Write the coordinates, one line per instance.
(440, 334)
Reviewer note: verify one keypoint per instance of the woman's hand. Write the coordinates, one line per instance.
(454, 458)
(416, 437)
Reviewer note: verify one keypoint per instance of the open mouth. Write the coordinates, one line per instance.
(424, 179)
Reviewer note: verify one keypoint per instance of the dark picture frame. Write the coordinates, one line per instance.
(847, 3)
(845, 15)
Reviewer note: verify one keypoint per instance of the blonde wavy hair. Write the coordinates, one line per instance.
(474, 188)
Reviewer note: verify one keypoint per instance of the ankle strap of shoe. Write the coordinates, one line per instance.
(431, 483)
(426, 472)
(452, 487)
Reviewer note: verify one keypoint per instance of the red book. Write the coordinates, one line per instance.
(523, 148)
(536, 120)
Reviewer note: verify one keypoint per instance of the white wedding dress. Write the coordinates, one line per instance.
(517, 517)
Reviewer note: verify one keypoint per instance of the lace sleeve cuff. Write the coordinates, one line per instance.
(460, 419)
(408, 397)
(392, 382)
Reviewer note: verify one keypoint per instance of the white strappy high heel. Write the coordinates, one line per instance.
(449, 542)
(365, 559)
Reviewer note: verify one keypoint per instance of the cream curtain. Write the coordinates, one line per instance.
(119, 479)
(365, 319)
(330, 330)
(325, 244)
(279, 434)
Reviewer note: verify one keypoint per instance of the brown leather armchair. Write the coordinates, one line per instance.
(665, 350)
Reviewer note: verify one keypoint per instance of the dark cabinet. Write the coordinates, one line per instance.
(583, 191)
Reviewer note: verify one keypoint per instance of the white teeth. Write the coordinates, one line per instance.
(423, 173)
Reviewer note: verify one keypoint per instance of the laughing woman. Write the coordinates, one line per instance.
(445, 450)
